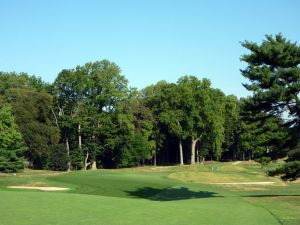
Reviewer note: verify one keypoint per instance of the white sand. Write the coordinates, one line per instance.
(247, 183)
(40, 188)
(237, 162)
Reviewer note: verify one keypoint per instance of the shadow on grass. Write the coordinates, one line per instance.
(169, 194)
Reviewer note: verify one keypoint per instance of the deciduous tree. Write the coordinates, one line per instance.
(11, 143)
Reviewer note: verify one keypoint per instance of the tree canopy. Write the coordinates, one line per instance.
(89, 118)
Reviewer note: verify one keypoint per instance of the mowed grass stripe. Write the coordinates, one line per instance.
(108, 183)
(29, 208)
(147, 196)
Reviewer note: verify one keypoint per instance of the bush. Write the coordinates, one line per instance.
(10, 163)
(294, 155)
(77, 158)
(11, 143)
(136, 150)
(263, 161)
(289, 171)
(58, 158)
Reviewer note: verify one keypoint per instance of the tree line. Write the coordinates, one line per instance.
(89, 118)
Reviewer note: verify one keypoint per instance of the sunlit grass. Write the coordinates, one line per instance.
(151, 195)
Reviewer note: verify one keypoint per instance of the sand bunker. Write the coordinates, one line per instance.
(247, 183)
(40, 188)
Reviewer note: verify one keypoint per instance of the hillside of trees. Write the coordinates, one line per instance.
(90, 118)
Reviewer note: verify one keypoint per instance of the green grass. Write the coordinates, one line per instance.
(147, 195)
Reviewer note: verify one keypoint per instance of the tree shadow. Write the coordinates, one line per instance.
(169, 194)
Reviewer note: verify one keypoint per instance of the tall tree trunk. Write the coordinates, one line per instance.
(250, 156)
(79, 136)
(203, 159)
(167, 156)
(180, 152)
(94, 165)
(93, 161)
(154, 158)
(233, 154)
(197, 155)
(56, 121)
(193, 150)
(68, 153)
(86, 164)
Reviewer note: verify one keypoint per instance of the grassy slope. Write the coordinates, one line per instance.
(57, 208)
(148, 196)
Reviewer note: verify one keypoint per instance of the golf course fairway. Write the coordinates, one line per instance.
(148, 195)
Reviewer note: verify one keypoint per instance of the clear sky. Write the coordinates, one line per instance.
(150, 40)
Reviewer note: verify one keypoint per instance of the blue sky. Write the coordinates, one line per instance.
(150, 40)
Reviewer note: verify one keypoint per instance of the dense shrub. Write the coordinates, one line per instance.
(10, 162)
(11, 143)
(58, 158)
(289, 171)
(137, 149)
(263, 161)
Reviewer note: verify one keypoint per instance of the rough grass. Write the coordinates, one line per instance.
(218, 177)
(224, 173)
(148, 195)
(285, 208)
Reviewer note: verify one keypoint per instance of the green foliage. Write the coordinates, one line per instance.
(216, 119)
(88, 96)
(58, 158)
(195, 97)
(203, 112)
(289, 171)
(166, 103)
(136, 150)
(33, 115)
(263, 161)
(126, 141)
(139, 116)
(273, 69)
(11, 143)
(21, 80)
(76, 157)
(206, 146)
(189, 110)
(231, 126)
(274, 72)
(138, 119)
(171, 109)
(261, 133)
(98, 84)
(39, 138)
(294, 155)
(106, 85)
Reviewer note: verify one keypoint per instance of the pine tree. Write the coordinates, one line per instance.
(274, 74)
